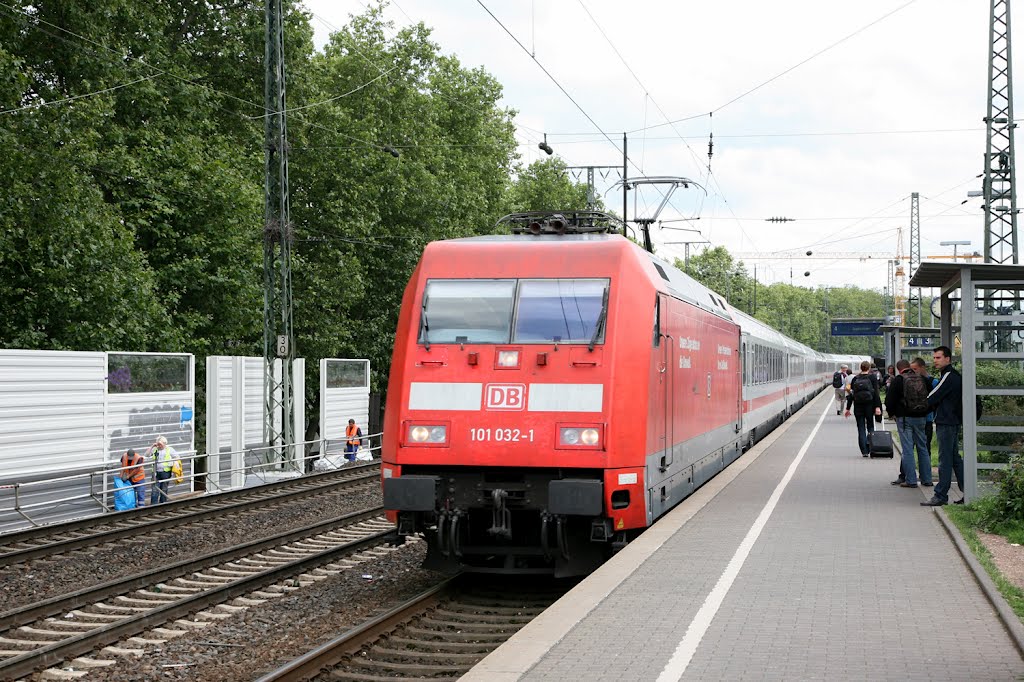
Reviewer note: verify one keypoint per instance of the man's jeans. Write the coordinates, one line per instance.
(160, 486)
(865, 424)
(911, 430)
(950, 461)
(140, 492)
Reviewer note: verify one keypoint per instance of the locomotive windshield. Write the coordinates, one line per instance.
(514, 311)
(467, 311)
(559, 310)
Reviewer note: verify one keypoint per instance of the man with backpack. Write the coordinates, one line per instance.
(906, 400)
(921, 367)
(839, 384)
(866, 402)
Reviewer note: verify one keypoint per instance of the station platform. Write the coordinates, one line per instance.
(798, 562)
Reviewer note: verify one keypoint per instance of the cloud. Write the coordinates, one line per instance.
(923, 68)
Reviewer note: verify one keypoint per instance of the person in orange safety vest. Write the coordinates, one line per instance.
(353, 436)
(132, 472)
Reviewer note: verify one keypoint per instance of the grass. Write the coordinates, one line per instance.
(968, 520)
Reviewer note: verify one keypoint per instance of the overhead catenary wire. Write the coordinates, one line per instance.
(745, 136)
(137, 62)
(755, 88)
(38, 105)
(354, 90)
(709, 176)
(566, 93)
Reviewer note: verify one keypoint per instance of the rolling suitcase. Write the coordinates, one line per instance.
(880, 443)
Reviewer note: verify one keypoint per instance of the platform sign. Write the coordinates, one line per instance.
(857, 327)
(919, 341)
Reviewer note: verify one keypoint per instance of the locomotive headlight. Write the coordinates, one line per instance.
(579, 436)
(508, 358)
(427, 434)
(570, 436)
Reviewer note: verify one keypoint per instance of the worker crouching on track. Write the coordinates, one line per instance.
(133, 472)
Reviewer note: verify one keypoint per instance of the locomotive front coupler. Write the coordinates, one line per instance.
(501, 515)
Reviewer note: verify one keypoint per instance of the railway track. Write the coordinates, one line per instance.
(45, 541)
(440, 634)
(59, 629)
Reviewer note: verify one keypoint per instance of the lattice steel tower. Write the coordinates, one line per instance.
(999, 186)
(278, 335)
(915, 246)
(899, 301)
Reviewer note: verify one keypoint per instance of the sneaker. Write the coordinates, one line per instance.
(934, 502)
(960, 501)
(838, 412)
(908, 485)
(898, 481)
(929, 484)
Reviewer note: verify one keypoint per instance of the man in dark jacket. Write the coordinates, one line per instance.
(946, 399)
(906, 401)
(866, 402)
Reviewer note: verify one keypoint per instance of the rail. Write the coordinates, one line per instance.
(265, 464)
(308, 665)
(106, 632)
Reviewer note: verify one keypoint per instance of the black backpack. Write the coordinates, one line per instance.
(915, 395)
(863, 387)
(837, 380)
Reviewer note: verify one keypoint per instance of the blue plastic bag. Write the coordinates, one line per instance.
(124, 495)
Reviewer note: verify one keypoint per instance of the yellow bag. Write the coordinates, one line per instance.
(179, 475)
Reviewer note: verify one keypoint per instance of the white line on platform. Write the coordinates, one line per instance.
(677, 665)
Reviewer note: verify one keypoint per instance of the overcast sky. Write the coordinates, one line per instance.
(859, 105)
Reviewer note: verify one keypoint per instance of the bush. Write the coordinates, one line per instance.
(1007, 505)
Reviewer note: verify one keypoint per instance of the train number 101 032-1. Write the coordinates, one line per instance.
(501, 435)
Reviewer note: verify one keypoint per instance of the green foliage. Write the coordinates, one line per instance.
(132, 219)
(800, 313)
(546, 185)
(1007, 505)
(362, 217)
(1000, 410)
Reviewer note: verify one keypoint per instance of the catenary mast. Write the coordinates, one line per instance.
(278, 334)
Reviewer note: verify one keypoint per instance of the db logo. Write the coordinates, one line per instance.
(505, 396)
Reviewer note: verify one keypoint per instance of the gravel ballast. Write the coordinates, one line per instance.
(263, 637)
(25, 583)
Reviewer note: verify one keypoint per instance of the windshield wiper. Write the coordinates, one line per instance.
(424, 324)
(600, 321)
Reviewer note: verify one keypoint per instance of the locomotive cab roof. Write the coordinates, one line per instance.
(562, 222)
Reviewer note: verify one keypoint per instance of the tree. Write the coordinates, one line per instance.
(546, 185)
(716, 269)
(363, 216)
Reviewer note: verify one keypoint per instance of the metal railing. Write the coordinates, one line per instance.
(91, 492)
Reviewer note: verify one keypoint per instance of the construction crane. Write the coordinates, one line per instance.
(899, 301)
(963, 256)
(812, 255)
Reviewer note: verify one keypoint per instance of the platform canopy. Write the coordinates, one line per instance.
(938, 275)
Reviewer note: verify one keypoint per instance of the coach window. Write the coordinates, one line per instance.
(561, 311)
(467, 311)
(657, 322)
(746, 364)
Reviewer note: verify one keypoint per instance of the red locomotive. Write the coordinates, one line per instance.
(554, 391)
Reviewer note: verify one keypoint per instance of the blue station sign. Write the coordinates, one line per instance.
(857, 328)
